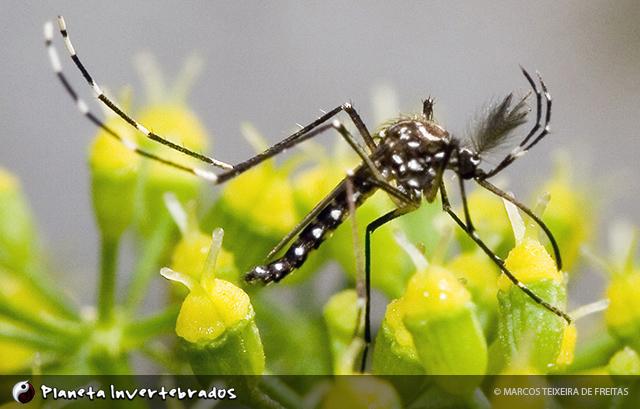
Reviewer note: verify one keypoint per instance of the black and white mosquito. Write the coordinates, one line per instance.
(406, 159)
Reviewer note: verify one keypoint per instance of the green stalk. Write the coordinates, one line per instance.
(162, 356)
(141, 331)
(148, 266)
(44, 324)
(107, 289)
(47, 288)
(281, 392)
(31, 339)
(261, 400)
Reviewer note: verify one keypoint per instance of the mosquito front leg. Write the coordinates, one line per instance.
(115, 108)
(84, 110)
(522, 148)
(446, 206)
(307, 132)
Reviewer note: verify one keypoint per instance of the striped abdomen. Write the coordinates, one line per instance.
(317, 230)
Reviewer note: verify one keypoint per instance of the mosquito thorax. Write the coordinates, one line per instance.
(414, 152)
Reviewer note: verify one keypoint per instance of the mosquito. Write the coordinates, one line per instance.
(406, 158)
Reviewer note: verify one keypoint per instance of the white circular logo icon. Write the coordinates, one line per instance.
(23, 392)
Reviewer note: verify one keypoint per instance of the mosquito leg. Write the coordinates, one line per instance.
(446, 206)
(361, 295)
(84, 110)
(305, 221)
(371, 227)
(465, 205)
(307, 132)
(522, 148)
(494, 189)
(360, 126)
(380, 180)
(115, 108)
(301, 135)
(401, 198)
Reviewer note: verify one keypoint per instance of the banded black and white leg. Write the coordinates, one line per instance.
(115, 108)
(467, 227)
(84, 110)
(307, 132)
(397, 195)
(504, 195)
(523, 147)
(303, 134)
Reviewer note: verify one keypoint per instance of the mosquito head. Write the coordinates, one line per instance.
(466, 163)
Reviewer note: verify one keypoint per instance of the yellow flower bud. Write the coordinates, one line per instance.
(532, 263)
(190, 255)
(528, 332)
(267, 186)
(623, 315)
(434, 293)
(217, 321)
(569, 214)
(177, 123)
(18, 240)
(114, 172)
(394, 352)
(625, 362)
(438, 312)
(490, 220)
(480, 276)
(211, 308)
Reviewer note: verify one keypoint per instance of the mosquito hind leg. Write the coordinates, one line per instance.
(446, 206)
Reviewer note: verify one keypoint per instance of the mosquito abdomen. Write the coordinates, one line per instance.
(312, 236)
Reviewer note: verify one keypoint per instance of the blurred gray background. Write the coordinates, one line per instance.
(277, 65)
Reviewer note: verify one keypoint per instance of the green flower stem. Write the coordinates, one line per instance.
(261, 400)
(478, 400)
(44, 324)
(159, 354)
(148, 266)
(138, 332)
(107, 289)
(32, 339)
(438, 397)
(47, 288)
(281, 392)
